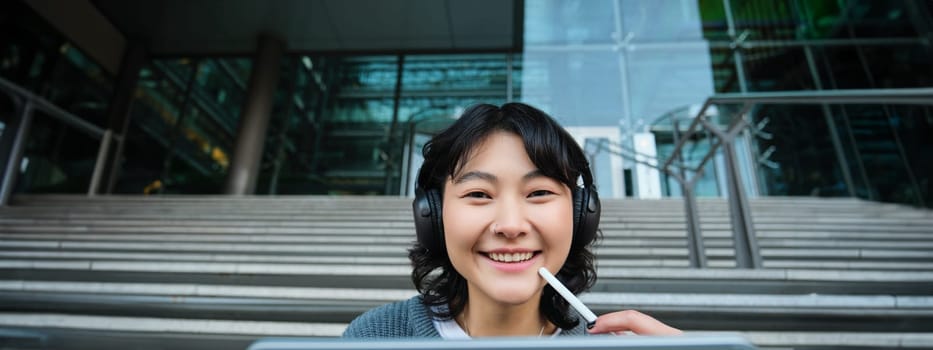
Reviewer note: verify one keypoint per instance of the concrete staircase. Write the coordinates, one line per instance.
(214, 271)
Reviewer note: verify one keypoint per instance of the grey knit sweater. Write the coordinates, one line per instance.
(407, 318)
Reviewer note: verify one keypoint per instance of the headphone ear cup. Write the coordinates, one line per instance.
(586, 212)
(427, 214)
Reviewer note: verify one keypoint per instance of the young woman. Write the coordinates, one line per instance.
(497, 199)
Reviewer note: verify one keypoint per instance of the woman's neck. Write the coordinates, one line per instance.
(483, 318)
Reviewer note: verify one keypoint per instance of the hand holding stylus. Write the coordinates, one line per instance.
(620, 322)
(617, 322)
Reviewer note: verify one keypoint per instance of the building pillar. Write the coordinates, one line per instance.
(254, 119)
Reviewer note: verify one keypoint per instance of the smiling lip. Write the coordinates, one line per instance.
(511, 260)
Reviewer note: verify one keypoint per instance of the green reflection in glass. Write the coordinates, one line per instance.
(189, 108)
(452, 75)
(765, 19)
(714, 20)
(823, 19)
(346, 133)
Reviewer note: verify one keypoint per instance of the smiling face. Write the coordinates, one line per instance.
(503, 220)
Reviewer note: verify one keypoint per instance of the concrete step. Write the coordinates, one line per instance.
(278, 303)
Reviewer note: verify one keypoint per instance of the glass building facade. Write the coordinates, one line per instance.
(36, 58)
(624, 76)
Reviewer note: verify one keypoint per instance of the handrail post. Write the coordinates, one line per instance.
(99, 164)
(15, 154)
(743, 230)
(696, 251)
(746, 245)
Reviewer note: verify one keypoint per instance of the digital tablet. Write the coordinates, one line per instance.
(685, 342)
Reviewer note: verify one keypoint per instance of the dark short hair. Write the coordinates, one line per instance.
(552, 150)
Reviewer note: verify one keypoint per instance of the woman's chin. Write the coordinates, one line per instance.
(514, 296)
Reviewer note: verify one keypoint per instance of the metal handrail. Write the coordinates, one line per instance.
(747, 254)
(13, 143)
(17, 92)
(694, 238)
(885, 96)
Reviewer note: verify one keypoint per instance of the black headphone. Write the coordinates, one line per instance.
(430, 226)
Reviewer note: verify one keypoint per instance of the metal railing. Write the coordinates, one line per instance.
(15, 134)
(747, 254)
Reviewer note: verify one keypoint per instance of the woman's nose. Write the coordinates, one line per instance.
(511, 222)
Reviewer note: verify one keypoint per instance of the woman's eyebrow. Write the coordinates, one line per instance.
(534, 174)
(476, 175)
(481, 175)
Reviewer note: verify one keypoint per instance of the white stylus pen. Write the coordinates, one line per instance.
(584, 311)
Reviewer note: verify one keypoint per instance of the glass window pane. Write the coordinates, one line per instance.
(725, 73)
(579, 88)
(57, 159)
(858, 18)
(668, 79)
(353, 153)
(549, 22)
(481, 76)
(777, 69)
(803, 160)
(294, 139)
(693, 153)
(714, 21)
(765, 19)
(156, 109)
(890, 143)
(874, 66)
(648, 20)
(220, 89)
(788, 19)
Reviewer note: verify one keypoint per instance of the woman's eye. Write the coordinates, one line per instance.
(477, 194)
(540, 193)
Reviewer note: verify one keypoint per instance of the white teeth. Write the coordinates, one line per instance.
(510, 257)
